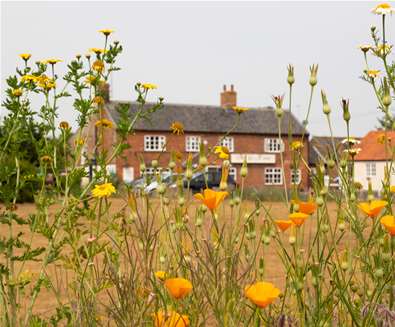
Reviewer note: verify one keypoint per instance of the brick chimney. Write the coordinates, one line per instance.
(104, 91)
(228, 97)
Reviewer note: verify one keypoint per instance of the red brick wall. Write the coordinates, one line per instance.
(243, 143)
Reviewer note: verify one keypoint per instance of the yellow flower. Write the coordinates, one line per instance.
(210, 198)
(382, 50)
(239, 110)
(149, 86)
(392, 189)
(262, 293)
(90, 79)
(298, 218)
(160, 274)
(45, 82)
(365, 47)
(103, 190)
(296, 145)
(16, 92)
(350, 141)
(178, 287)
(104, 122)
(222, 151)
(25, 56)
(98, 100)
(64, 125)
(373, 208)
(372, 73)
(352, 152)
(170, 319)
(389, 224)
(177, 128)
(97, 50)
(283, 224)
(98, 66)
(106, 32)
(28, 78)
(381, 138)
(46, 159)
(383, 9)
(51, 61)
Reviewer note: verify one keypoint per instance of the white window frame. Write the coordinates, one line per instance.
(153, 171)
(130, 171)
(111, 169)
(273, 145)
(159, 145)
(192, 143)
(273, 173)
(233, 172)
(298, 176)
(371, 169)
(229, 142)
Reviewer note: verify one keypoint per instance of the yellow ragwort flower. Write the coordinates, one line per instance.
(388, 222)
(160, 274)
(97, 50)
(296, 145)
(392, 189)
(16, 92)
(45, 82)
(64, 125)
(210, 198)
(282, 224)
(98, 66)
(106, 31)
(178, 287)
(98, 100)
(262, 293)
(90, 79)
(382, 49)
(25, 56)
(28, 78)
(383, 9)
(104, 122)
(177, 128)
(149, 86)
(51, 61)
(239, 110)
(103, 190)
(365, 47)
(298, 218)
(170, 319)
(373, 73)
(222, 151)
(373, 208)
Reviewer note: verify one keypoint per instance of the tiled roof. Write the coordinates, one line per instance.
(211, 119)
(321, 147)
(371, 149)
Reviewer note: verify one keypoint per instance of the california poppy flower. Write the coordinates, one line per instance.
(170, 319)
(307, 207)
(283, 224)
(262, 293)
(298, 218)
(210, 198)
(178, 287)
(388, 223)
(372, 208)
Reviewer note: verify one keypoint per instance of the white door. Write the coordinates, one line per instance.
(128, 174)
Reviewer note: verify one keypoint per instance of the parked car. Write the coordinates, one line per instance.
(198, 182)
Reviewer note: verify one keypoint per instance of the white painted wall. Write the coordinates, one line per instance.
(360, 172)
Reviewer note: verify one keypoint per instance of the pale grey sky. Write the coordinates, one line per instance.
(190, 49)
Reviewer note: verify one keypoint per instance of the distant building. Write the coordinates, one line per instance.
(370, 162)
(254, 138)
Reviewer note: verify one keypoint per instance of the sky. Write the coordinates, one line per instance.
(191, 49)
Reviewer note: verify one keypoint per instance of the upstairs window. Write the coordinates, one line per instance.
(154, 143)
(274, 145)
(192, 143)
(228, 142)
(370, 169)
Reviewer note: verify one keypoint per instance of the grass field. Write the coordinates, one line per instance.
(47, 300)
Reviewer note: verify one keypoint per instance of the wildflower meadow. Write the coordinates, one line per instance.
(98, 252)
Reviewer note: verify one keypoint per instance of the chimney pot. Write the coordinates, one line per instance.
(228, 97)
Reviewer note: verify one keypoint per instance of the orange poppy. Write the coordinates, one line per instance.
(373, 208)
(388, 223)
(178, 287)
(298, 218)
(262, 293)
(170, 319)
(210, 198)
(307, 207)
(283, 224)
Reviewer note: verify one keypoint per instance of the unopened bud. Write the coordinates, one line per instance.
(154, 163)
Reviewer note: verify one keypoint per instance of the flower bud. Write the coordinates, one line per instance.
(203, 161)
(313, 75)
(378, 273)
(244, 169)
(162, 188)
(188, 174)
(320, 201)
(325, 105)
(346, 111)
(292, 240)
(330, 163)
(279, 112)
(291, 77)
(387, 100)
(154, 163)
(181, 201)
(172, 165)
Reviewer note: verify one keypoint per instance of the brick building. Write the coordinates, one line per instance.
(254, 137)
